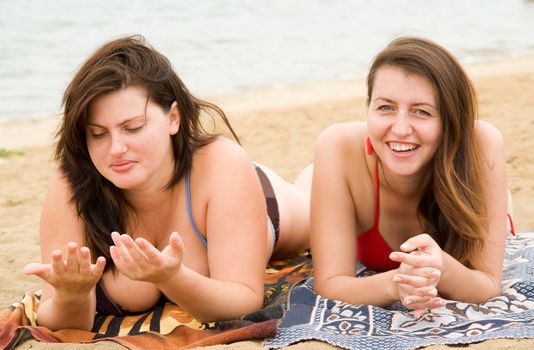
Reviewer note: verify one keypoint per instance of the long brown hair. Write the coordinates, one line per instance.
(116, 65)
(452, 209)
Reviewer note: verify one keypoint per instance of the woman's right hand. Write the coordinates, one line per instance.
(73, 277)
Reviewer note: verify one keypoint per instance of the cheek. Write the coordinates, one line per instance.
(95, 153)
(375, 125)
(435, 134)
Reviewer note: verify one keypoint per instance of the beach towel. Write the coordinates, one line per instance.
(509, 315)
(166, 326)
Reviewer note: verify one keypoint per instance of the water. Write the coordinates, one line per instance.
(223, 46)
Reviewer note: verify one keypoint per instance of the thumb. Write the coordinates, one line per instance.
(100, 264)
(176, 244)
(38, 269)
(417, 242)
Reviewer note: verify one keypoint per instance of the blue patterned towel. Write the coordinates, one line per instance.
(510, 315)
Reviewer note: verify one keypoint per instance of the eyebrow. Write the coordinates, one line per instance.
(415, 104)
(120, 124)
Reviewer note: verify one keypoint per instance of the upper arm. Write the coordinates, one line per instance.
(333, 216)
(236, 216)
(496, 191)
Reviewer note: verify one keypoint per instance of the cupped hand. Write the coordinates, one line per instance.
(139, 260)
(72, 277)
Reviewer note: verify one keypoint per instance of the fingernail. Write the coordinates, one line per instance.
(407, 302)
(436, 273)
(396, 278)
(405, 245)
(393, 256)
(433, 292)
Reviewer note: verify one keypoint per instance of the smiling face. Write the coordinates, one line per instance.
(403, 120)
(128, 139)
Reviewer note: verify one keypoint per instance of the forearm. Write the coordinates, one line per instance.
(208, 299)
(378, 289)
(463, 284)
(56, 314)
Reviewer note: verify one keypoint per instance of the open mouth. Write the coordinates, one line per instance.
(402, 147)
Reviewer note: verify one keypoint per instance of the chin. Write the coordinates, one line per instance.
(406, 169)
(125, 184)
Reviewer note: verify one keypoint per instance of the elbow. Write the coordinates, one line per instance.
(55, 326)
(494, 290)
(321, 287)
(237, 308)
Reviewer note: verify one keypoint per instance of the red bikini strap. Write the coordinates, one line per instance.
(377, 197)
(512, 229)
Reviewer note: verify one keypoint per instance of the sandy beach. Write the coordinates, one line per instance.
(278, 128)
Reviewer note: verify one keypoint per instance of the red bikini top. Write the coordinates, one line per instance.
(372, 250)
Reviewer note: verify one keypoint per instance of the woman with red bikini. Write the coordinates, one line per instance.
(418, 193)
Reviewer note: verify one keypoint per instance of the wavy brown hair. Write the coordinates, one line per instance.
(452, 208)
(119, 64)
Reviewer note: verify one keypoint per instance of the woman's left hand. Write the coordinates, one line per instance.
(139, 260)
(420, 271)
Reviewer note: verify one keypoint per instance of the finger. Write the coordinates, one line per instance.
(85, 260)
(176, 243)
(431, 273)
(418, 313)
(116, 238)
(415, 302)
(414, 260)
(134, 253)
(72, 257)
(98, 267)
(418, 303)
(151, 253)
(57, 262)
(120, 250)
(418, 242)
(427, 291)
(432, 303)
(115, 255)
(414, 281)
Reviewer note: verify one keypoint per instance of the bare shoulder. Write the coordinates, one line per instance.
(221, 156)
(490, 138)
(221, 152)
(342, 136)
(489, 135)
(491, 143)
(336, 145)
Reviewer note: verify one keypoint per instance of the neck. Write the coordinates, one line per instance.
(149, 201)
(410, 187)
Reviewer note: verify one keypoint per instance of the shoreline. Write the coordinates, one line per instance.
(245, 101)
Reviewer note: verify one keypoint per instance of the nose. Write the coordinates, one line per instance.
(401, 124)
(118, 146)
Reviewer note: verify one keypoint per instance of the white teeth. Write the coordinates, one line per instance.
(402, 147)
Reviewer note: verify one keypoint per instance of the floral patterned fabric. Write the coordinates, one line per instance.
(510, 315)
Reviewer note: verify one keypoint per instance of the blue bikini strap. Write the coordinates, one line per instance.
(190, 211)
